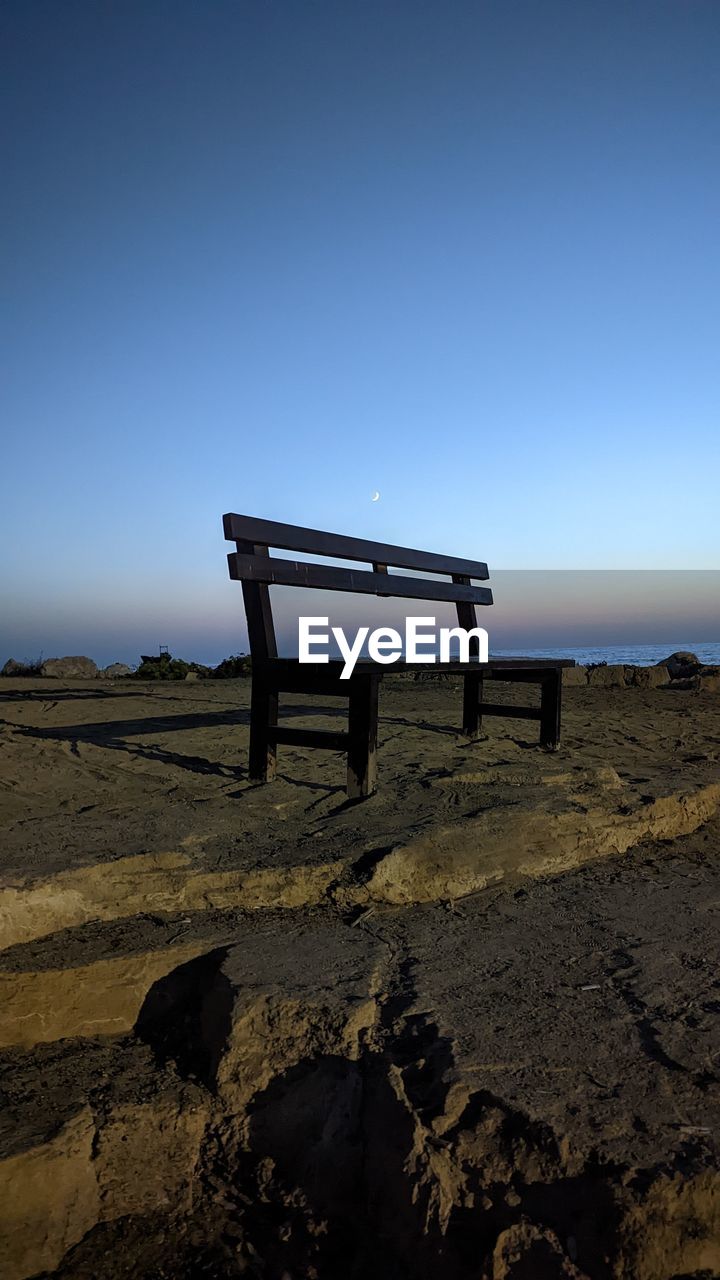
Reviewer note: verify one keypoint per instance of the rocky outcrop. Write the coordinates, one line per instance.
(708, 679)
(574, 676)
(682, 670)
(74, 668)
(647, 677)
(606, 677)
(116, 670)
(681, 664)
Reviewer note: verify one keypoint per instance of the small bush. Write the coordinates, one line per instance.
(164, 667)
(240, 664)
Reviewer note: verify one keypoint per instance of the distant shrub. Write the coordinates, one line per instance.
(164, 667)
(593, 666)
(240, 664)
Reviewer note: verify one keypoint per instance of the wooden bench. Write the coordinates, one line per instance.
(252, 565)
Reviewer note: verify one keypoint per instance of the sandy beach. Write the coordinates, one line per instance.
(466, 1027)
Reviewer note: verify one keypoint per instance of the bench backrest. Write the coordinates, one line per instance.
(252, 564)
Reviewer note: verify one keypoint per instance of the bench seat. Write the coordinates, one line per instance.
(366, 666)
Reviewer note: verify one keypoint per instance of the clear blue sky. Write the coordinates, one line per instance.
(273, 256)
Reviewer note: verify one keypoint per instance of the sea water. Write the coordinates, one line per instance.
(631, 655)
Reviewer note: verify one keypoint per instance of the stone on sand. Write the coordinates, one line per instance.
(573, 676)
(681, 664)
(647, 677)
(70, 668)
(609, 677)
(116, 670)
(708, 679)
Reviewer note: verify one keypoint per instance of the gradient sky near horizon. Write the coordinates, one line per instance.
(273, 255)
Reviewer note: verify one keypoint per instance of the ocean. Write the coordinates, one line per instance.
(631, 655)
(635, 655)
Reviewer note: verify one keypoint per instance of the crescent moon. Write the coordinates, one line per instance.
(375, 497)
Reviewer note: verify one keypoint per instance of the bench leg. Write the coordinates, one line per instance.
(550, 700)
(472, 697)
(263, 715)
(362, 728)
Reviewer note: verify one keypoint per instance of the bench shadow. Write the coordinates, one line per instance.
(113, 736)
(111, 730)
(62, 695)
(118, 735)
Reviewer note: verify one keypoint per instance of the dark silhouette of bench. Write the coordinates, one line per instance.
(252, 565)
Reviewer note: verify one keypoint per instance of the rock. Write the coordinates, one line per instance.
(647, 677)
(116, 670)
(192, 675)
(709, 679)
(70, 668)
(13, 668)
(609, 677)
(681, 665)
(574, 676)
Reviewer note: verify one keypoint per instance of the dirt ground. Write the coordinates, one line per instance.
(468, 1027)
